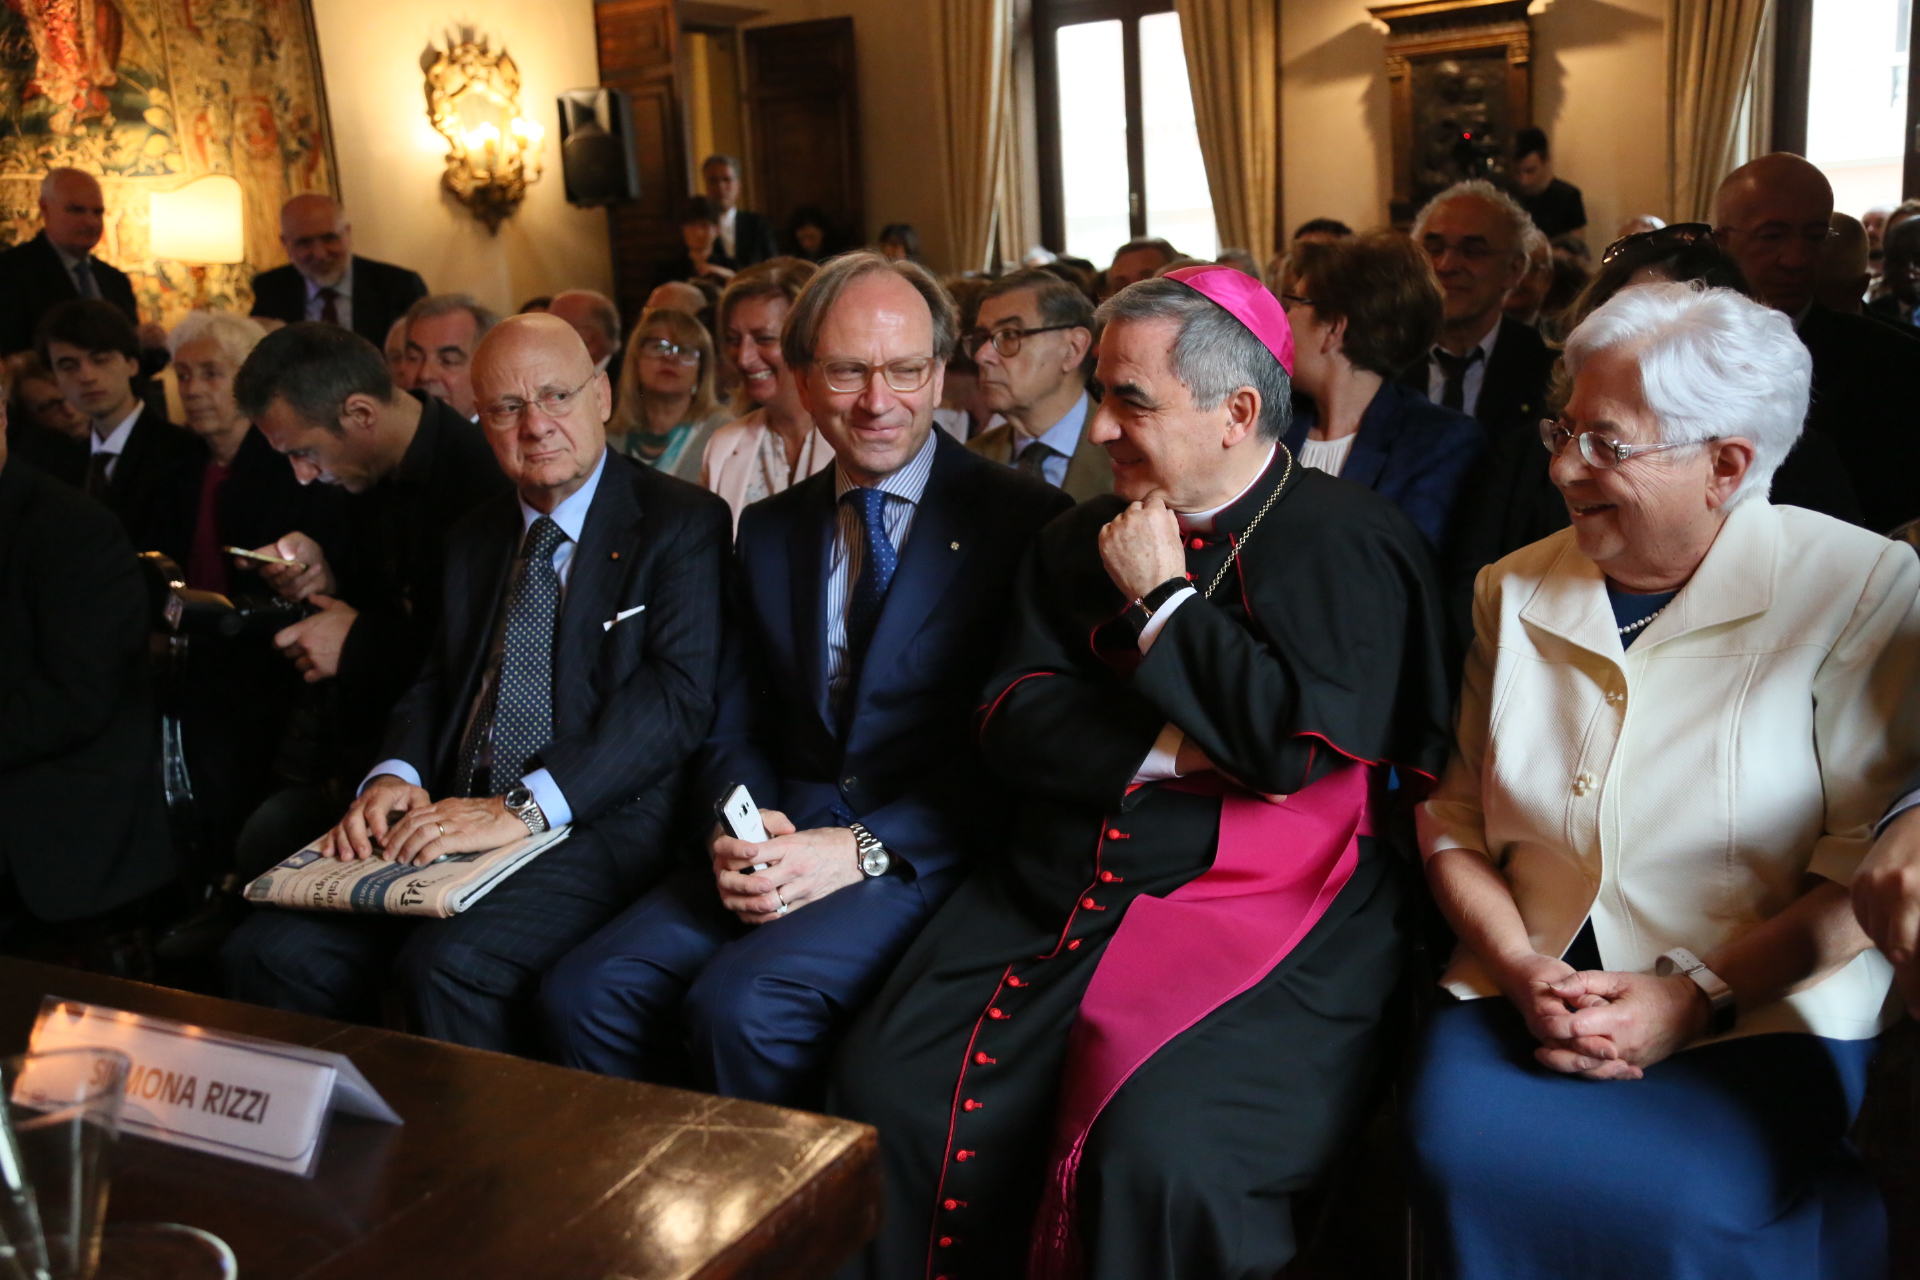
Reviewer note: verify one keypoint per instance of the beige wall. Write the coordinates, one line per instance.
(391, 159)
(1599, 90)
(906, 177)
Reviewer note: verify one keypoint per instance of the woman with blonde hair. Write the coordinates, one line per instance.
(773, 444)
(667, 411)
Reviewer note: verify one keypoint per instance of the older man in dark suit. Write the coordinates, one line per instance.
(872, 601)
(1774, 216)
(58, 265)
(573, 676)
(745, 237)
(325, 280)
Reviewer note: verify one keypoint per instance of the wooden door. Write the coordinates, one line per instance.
(638, 44)
(803, 98)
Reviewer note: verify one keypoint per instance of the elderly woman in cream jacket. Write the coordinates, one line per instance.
(1681, 719)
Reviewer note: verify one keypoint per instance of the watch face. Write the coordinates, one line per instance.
(517, 797)
(876, 863)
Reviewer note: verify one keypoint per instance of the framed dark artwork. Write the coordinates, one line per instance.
(149, 94)
(1461, 85)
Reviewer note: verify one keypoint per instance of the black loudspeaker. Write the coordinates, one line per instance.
(596, 147)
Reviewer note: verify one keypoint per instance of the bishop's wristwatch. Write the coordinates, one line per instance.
(874, 858)
(1719, 994)
(521, 804)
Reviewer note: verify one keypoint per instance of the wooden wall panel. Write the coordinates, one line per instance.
(802, 84)
(638, 45)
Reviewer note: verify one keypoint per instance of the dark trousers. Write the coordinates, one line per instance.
(678, 991)
(472, 979)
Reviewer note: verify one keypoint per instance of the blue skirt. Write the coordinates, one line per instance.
(1726, 1162)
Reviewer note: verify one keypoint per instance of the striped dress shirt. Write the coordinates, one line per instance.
(903, 489)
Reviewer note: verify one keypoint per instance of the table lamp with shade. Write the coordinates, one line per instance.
(198, 224)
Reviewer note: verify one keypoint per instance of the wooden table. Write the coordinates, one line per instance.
(504, 1167)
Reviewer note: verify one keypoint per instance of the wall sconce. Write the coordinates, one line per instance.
(199, 224)
(473, 101)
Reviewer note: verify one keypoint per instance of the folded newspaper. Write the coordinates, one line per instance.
(444, 888)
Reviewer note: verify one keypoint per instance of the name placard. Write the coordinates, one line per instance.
(215, 1091)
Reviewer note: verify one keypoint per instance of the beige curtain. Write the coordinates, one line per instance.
(971, 59)
(1017, 210)
(1232, 61)
(1712, 52)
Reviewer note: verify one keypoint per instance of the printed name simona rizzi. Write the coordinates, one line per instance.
(236, 1102)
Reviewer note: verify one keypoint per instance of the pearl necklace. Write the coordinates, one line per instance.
(1632, 627)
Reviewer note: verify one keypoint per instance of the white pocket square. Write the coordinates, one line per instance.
(622, 616)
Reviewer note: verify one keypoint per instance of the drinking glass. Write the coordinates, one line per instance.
(62, 1116)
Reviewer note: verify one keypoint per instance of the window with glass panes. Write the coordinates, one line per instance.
(1120, 152)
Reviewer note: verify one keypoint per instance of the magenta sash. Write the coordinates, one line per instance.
(1277, 869)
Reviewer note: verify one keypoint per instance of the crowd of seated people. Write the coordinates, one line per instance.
(1034, 609)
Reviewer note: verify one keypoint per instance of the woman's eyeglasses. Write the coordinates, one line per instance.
(1006, 341)
(1681, 235)
(1597, 451)
(661, 349)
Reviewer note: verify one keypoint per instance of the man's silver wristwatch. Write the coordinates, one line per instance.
(521, 804)
(1719, 994)
(874, 858)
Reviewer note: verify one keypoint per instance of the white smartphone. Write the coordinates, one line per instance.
(741, 816)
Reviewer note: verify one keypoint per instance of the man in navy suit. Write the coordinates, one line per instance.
(571, 679)
(870, 605)
(58, 265)
(324, 279)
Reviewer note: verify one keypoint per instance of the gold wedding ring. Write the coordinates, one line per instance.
(782, 901)
(443, 828)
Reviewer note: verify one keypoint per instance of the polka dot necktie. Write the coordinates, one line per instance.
(522, 719)
(876, 574)
(1033, 460)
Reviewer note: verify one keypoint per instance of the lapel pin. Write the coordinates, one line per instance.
(616, 555)
(953, 546)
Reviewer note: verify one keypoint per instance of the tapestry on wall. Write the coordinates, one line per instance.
(148, 94)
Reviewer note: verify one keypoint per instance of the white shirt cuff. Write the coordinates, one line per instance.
(1163, 761)
(398, 768)
(1159, 620)
(546, 794)
(1897, 808)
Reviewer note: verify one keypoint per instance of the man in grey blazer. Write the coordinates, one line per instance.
(573, 674)
(1033, 344)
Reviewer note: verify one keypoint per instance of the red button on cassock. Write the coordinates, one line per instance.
(949, 1205)
(971, 1105)
(1113, 833)
(1074, 945)
(982, 1058)
(996, 1014)
(1016, 982)
(946, 1242)
(1087, 902)
(1107, 877)
(963, 1155)
(1198, 543)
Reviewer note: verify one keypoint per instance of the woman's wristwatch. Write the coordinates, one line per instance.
(1719, 994)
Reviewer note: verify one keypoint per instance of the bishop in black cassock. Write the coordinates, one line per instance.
(1119, 1050)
